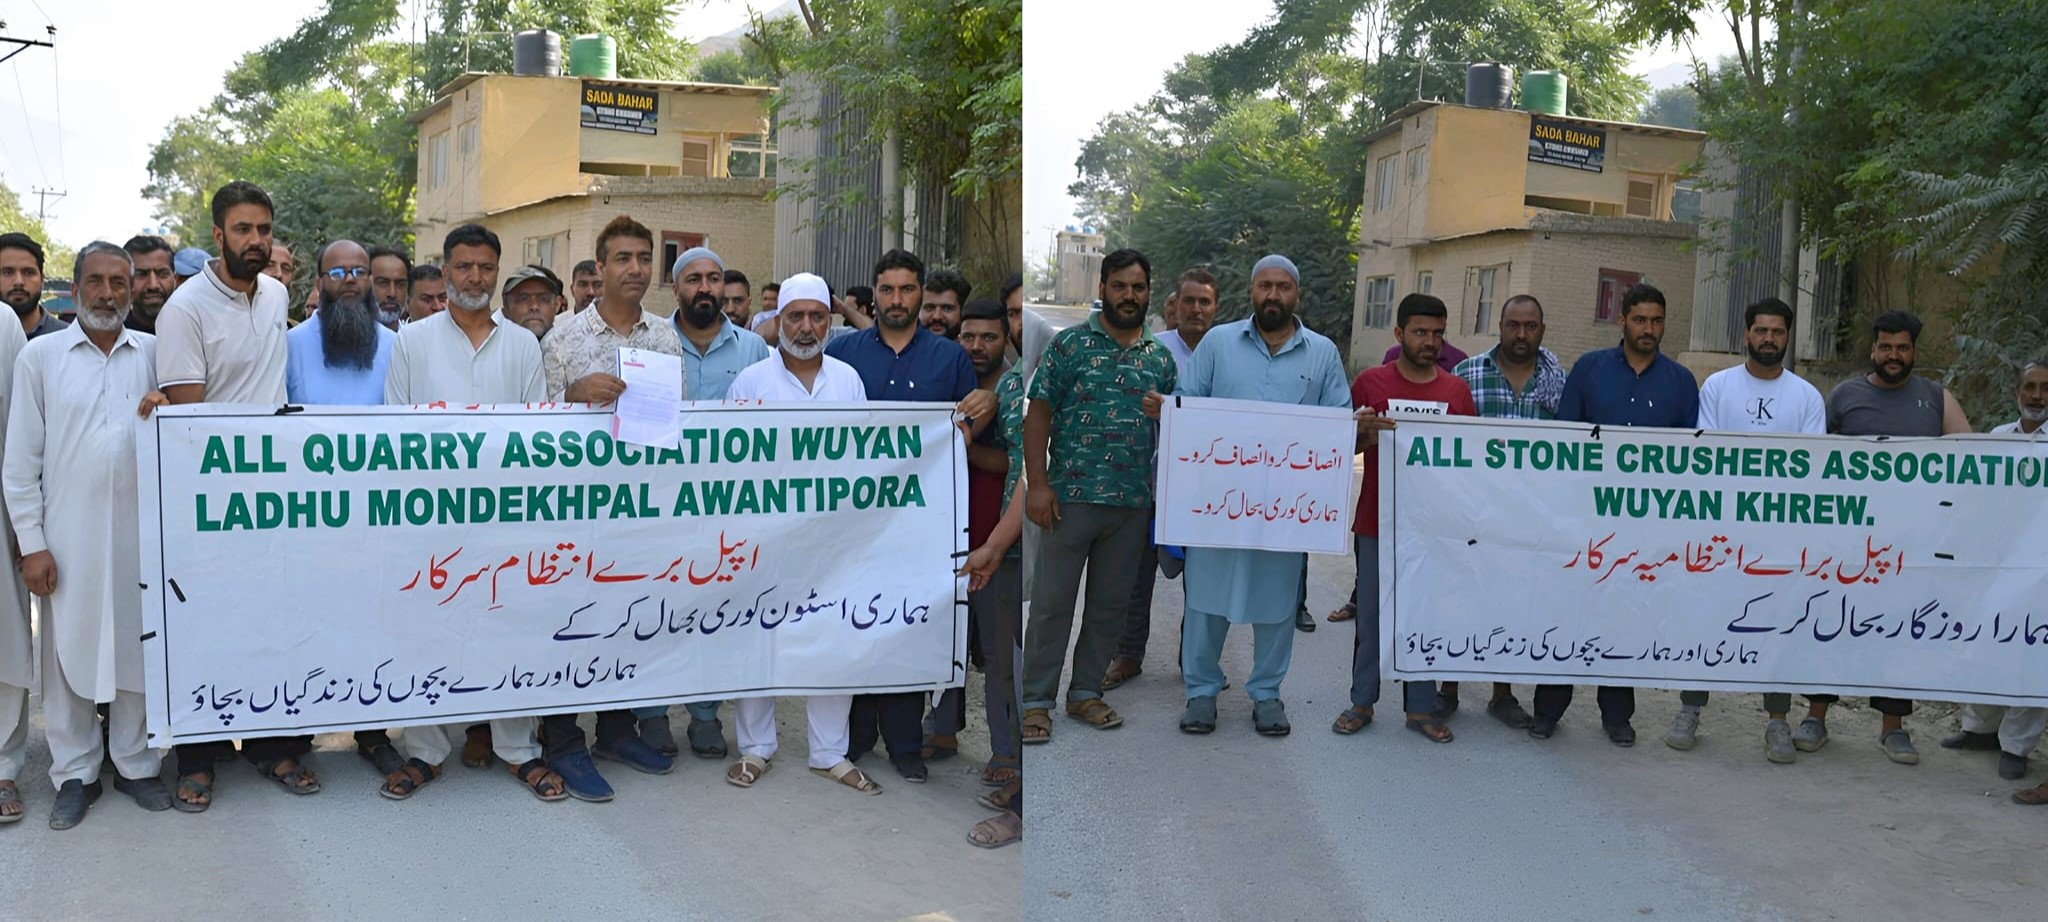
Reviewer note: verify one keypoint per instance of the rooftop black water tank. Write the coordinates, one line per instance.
(1489, 85)
(537, 53)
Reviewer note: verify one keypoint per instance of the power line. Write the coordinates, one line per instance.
(29, 126)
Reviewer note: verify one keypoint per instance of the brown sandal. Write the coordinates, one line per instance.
(409, 778)
(746, 771)
(539, 779)
(997, 831)
(848, 774)
(1095, 713)
(1121, 670)
(1348, 612)
(1353, 719)
(1430, 726)
(476, 746)
(1037, 726)
(999, 771)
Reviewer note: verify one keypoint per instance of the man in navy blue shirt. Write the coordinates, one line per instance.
(1632, 384)
(900, 360)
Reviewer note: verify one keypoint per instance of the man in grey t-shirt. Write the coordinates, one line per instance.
(1890, 400)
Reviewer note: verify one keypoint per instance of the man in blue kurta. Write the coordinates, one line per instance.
(1270, 356)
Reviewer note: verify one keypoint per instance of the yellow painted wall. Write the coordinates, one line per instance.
(1472, 186)
(529, 151)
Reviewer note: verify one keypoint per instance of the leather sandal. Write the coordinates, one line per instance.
(1095, 713)
(746, 771)
(1353, 719)
(1431, 727)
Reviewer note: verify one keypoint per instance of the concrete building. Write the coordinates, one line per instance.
(1475, 204)
(545, 162)
(1077, 256)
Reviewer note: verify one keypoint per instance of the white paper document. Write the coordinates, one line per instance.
(648, 413)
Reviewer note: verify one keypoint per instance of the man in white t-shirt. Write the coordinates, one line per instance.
(220, 339)
(799, 371)
(1757, 396)
(2012, 731)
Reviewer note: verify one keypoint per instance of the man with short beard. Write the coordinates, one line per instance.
(944, 292)
(390, 275)
(800, 371)
(21, 284)
(1270, 357)
(586, 285)
(468, 355)
(220, 339)
(899, 360)
(1757, 396)
(429, 294)
(155, 278)
(738, 298)
(992, 614)
(1890, 400)
(1087, 444)
(69, 478)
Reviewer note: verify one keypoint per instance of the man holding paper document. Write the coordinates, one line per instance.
(585, 364)
(1269, 357)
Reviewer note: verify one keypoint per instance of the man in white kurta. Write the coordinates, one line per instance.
(466, 356)
(69, 478)
(17, 663)
(799, 371)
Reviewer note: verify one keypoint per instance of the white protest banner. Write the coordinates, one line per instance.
(342, 568)
(1252, 474)
(1552, 552)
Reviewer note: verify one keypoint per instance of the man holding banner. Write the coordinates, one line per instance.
(1270, 357)
(467, 355)
(1412, 384)
(1757, 396)
(800, 370)
(1892, 401)
(1632, 384)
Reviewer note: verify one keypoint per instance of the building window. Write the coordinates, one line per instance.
(465, 142)
(1379, 302)
(750, 155)
(1482, 287)
(1607, 300)
(674, 244)
(1383, 182)
(697, 157)
(540, 251)
(1418, 163)
(437, 160)
(1642, 195)
(1424, 280)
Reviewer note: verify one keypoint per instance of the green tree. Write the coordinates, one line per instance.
(57, 257)
(1672, 107)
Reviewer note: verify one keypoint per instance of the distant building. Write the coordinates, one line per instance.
(1077, 256)
(1474, 205)
(545, 162)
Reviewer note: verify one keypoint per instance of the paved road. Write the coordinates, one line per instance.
(474, 846)
(1144, 822)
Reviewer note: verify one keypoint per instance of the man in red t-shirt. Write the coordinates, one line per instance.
(1411, 385)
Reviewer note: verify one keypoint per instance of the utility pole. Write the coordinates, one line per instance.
(43, 199)
(24, 44)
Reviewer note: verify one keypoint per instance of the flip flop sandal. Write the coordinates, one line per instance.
(289, 780)
(1040, 721)
(988, 834)
(848, 774)
(187, 785)
(1352, 720)
(1431, 729)
(1346, 613)
(746, 771)
(408, 779)
(994, 800)
(11, 796)
(999, 772)
(540, 779)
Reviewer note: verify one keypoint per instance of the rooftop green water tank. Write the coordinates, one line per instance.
(594, 56)
(1543, 91)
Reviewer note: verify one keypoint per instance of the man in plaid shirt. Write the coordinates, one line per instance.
(1518, 379)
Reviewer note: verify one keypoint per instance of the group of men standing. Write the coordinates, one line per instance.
(1089, 449)
(379, 330)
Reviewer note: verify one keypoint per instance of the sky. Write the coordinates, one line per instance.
(122, 69)
(1084, 59)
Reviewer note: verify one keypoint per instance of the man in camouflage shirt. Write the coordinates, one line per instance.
(1087, 447)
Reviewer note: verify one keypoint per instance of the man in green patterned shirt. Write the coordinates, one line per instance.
(1087, 452)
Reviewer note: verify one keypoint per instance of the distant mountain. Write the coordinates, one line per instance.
(731, 40)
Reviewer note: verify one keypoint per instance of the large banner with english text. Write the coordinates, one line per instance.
(341, 568)
(1563, 553)
(1252, 474)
